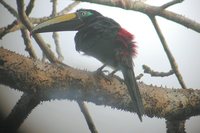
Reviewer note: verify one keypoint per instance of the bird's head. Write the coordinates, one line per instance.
(69, 22)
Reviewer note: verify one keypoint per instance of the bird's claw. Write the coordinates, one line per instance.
(112, 75)
(99, 72)
(108, 77)
(118, 78)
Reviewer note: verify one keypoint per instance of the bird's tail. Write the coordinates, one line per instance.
(130, 81)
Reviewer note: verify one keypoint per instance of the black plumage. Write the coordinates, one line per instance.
(104, 39)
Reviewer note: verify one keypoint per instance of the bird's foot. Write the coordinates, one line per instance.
(102, 74)
(111, 75)
(120, 80)
(100, 71)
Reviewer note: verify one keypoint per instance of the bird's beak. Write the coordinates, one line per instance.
(68, 22)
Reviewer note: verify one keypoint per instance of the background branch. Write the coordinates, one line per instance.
(155, 73)
(131, 5)
(168, 52)
(19, 113)
(10, 9)
(68, 8)
(87, 116)
(27, 42)
(24, 19)
(175, 126)
(175, 115)
(55, 34)
(27, 102)
(30, 7)
(15, 25)
(149, 10)
(173, 2)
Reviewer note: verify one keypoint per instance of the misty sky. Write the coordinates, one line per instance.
(184, 45)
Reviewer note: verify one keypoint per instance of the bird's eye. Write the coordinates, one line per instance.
(83, 13)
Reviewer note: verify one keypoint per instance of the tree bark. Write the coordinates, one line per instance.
(50, 81)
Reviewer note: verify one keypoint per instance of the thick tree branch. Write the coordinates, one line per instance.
(19, 113)
(175, 126)
(50, 81)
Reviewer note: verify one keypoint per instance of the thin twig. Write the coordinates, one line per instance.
(55, 34)
(26, 33)
(16, 25)
(27, 42)
(148, 70)
(49, 54)
(54, 7)
(68, 8)
(9, 8)
(10, 28)
(173, 2)
(57, 43)
(44, 57)
(87, 116)
(138, 77)
(135, 6)
(30, 7)
(168, 52)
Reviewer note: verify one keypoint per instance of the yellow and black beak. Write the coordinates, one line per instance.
(68, 22)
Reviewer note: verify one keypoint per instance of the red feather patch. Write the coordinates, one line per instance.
(126, 39)
(125, 34)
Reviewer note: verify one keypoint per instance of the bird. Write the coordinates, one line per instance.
(104, 39)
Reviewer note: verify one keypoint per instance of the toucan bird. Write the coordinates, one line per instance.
(104, 39)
